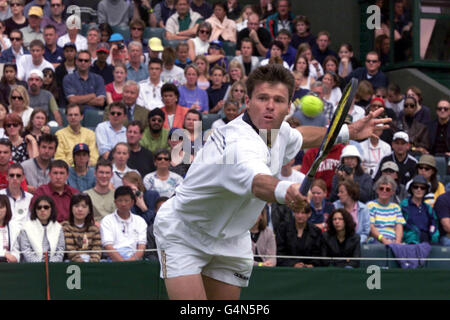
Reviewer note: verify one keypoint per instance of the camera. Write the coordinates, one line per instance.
(120, 46)
(137, 193)
(348, 171)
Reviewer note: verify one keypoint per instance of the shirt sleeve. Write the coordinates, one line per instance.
(102, 139)
(69, 87)
(107, 232)
(99, 86)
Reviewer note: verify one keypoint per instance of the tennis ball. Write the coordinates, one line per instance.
(312, 106)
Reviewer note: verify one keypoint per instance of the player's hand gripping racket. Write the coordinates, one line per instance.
(332, 133)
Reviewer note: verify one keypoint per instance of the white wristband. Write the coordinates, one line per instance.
(281, 190)
(344, 135)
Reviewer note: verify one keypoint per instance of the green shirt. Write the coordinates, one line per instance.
(103, 203)
(153, 144)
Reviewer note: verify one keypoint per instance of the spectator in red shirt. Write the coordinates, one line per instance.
(57, 189)
(5, 162)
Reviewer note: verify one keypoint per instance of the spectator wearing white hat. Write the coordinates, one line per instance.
(40, 98)
(351, 169)
(400, 155)
(73, 24)
(33, 30)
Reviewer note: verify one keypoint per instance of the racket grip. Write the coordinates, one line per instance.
(306, 184)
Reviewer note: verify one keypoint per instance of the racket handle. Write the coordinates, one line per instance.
(306, 184)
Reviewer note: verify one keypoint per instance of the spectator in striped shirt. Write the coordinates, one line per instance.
(386, 219)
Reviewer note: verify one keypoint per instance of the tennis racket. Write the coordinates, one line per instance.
(332, 133)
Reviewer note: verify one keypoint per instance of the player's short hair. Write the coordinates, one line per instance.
(273, 74)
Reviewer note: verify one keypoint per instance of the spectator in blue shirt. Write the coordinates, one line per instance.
(17, 50)
(191, 96)
(84, 87)
(371, 72)
(53, 53)
(289, 52)
(421, 221)
(81, 176)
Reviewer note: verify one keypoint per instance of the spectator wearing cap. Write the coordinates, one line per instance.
(56, 17)
(73, 24)
(81, 176)
(183, 24)
(57, 189)
(400, 156)
(442, 209)
(111, 132)
(155, 136)
(53, 53)
(155, 49)
(390, 168)
(439, 129)
(421, 220)
(41, 98)
(65, 68)
(73, 135)
(118, 52)
(33, 30)
(150, 89)
(32, 61)
(377, 103)
(93, 39)
(351, 169)
(85, 87)
(136, 69)
(139, 156)
(101, 66)
(16, 51)
(426, 167)
(373, 150)
(115, 13)
(216, 55)
(222, 27)
(42, 4)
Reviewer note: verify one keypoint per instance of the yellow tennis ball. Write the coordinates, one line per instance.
(312, 106)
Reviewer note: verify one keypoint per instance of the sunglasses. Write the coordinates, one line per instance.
(415, 187)
(55, 5)
(15, 175)
(84, 60)
(409, 105)
(156, 120)
(204, 31)
(442, 109)
(384, 189)
(424, 168)
(371, 61)
(135, 28)
(389, 171)
(9, 125)
(116, 113)
(15, 5)
(238, 90)
(15, 39)
(45, 207)
(162, 158)
(48, 75)
(16, 97)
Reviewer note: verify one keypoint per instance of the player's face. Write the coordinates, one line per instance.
(269, 105)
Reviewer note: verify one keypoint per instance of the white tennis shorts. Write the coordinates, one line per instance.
(184, 250)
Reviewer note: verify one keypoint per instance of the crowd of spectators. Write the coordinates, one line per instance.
(68, 186)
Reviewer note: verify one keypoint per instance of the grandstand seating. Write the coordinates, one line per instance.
(170, 43)
(123, 30)
(229, 48)
(54, 129)
(92, 118)
(153, 32)
(373, 251)
(208, 119)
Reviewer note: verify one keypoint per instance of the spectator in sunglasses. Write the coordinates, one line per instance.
(417, 132)
(439, 130)
(427, 168)
(162, 180)
(421, 221)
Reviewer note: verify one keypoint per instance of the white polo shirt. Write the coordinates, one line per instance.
(122, 233)
(150, 95)
(216, 195)
(19, 208)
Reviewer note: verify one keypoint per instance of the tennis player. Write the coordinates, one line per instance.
(203, 231)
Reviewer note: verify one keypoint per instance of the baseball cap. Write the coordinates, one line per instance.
(70, 45)
(103, 46)
(155, 44)
(116, 37)
(215, 43)
(80, 147)
(36, 72)
(401, 135)
(36, 11)
(390, 165)
(377, 99)
(73, 22)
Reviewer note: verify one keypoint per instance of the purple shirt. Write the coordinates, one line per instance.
(61, 28)
(189, 97)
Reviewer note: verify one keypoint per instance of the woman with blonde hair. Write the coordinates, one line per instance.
(22, 148)
(19, 102)
(236, 72)
(203, 67)
(238, 92)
